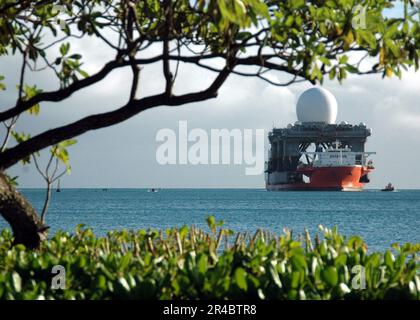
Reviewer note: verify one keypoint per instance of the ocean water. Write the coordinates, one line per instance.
(381, 218)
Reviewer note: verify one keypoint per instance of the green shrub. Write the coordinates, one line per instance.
(188, 263)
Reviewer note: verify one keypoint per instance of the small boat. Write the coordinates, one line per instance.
(389, 187)
(58, 187)
(153, 190)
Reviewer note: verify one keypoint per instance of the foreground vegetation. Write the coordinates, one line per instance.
(187, 263)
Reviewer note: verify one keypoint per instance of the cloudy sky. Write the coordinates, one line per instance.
(125, 155)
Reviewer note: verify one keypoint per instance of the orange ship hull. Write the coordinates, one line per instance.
(327, 179)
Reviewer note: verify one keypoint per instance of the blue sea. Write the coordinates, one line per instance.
(381, 218)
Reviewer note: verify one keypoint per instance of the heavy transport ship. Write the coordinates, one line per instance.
(315, 154)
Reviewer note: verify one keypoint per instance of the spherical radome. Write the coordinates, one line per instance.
(317, 105)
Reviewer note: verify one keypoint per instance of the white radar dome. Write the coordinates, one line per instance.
(317, 105)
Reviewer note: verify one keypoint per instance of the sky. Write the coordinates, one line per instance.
(124, 156)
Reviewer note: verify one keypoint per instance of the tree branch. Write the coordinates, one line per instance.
(132, 108)
(61, 94)
(64, 93)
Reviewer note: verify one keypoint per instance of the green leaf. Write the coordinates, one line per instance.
(295, 279)
(34, 110)
(275, 277)
(101, 282)
(30, 92)
(330, 276)
(16, 281)
(393, 47)
(389, 259)
(202, 263)
(64, 48)
(124, 284)
(67, 143)
(75, 56)
(20, 136)
(125, 261)
(352, 69)
(298, 261)
(183, 231)
(12, 180)
(2, 85)
(83, 73)
(211, 222)
(240, 278)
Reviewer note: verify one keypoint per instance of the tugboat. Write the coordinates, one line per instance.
(388, 188)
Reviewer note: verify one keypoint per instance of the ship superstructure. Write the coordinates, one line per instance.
(318, 155)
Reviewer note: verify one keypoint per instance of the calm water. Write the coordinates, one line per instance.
(382, 218)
